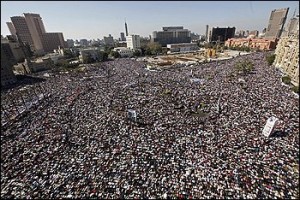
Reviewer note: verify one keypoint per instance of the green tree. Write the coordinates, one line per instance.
(154, 47)
(295, 89)
(286, 80)
(103, 56)
(270, 59)
(115, 54)
(137, 53)
(244, 67)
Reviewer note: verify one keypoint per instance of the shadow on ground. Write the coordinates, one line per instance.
(23, 80)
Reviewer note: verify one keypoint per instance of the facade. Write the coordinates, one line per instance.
(109, 41)
(124, 52)
(21, 28)
(126, 30)
(261, 44)
(70, 43)
(276, 23)
(31, 30)
(172, 35)
(52, 41)
(14, 46)
(7, 75)
(292, 27)
(122, 38)
(133, 42)
(84, 53)
(221, 34)
(183, 47)
(287, 56)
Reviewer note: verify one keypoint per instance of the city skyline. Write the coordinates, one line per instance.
(82, 20)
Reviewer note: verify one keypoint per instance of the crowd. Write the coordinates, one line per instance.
(189, 139)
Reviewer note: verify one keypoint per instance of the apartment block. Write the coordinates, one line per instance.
(287, 57)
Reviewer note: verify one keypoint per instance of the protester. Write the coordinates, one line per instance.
(77, 141)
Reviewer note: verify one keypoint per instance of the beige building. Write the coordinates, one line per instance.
(31, 30)
(276, 23)
(287, 56)
(261, 44)
(133, 42)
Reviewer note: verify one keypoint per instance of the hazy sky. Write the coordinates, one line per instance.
(92, 20)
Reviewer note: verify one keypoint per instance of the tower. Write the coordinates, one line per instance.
(206, 34)
(126, 30)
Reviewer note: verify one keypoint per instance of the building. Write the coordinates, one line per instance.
(122, 38)
(254, 33)
(292, 26)
(92, 52)
(276, 23)
(126, 30)
(221, 34)
(124, 52)
(261, 44)
(133, 42)
(14, 46)
(206, 33)
(172, 35)
(182, 47)
(109, 41)
(31, 30)
(70, 43)
(84, 42)
(287, 56)
(7, 75)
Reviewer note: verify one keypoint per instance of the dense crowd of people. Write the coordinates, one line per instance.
(189, 139)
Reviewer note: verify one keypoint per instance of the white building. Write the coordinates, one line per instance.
(124, 52)
(182, 47)
(133, 42)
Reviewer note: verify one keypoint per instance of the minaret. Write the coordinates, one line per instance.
(126, 28)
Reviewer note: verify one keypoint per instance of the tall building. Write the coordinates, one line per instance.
(7, 75)
(276, 23)
(17, 53)
(221, 34)
(31, 30)
(109, 41)
(122, 38)
(172, 35)
(70, 43)
(11, 28)
(126, 30)
(292, 27)
(206, 33)
(133, 42)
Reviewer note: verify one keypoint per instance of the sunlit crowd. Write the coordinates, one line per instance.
(72, 136)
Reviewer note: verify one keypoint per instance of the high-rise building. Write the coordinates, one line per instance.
(126, 30)
(172, 35)
(122, 38)
(133, 42)
(70, 43)
(292, 27)
(31, 30)
(221, 34)
(109, 41)
(11, 28)
(276, 23)
(206, 33)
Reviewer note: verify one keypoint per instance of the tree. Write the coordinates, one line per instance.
(295, 89)
(115, 54)
(286, 80)
(103, 56)
(270, 59)
(137, 53)
(154, 47)
(244, 67)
